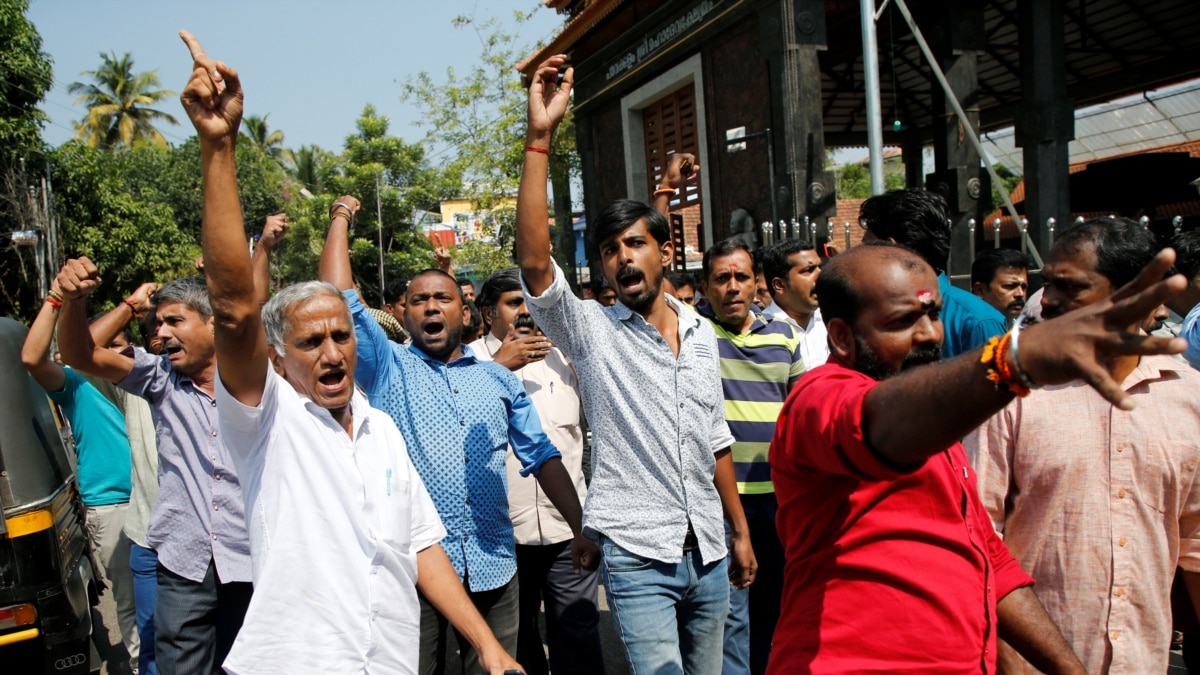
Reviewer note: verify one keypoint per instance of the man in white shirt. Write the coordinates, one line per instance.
(791, 268)
(342, 530)
(544, 567)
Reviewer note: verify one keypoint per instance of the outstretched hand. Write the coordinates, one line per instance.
(681, 167)
(1079, 344)
(213, 95)
(548, 99)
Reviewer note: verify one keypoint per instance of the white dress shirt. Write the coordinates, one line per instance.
(335, 524)
(553, 387)
(814, 342)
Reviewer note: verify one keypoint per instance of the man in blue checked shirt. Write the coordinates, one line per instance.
(458, 415)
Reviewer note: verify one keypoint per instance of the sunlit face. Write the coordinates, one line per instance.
(1071, 280)
(686, 294)
(187, 339)
(797, 292)
(511, 311)
(730, 288)
(899, 325)
(633, 263)
(1006, 292)
(319, 353)
(434, 315)
(607, 297)
(468, 291)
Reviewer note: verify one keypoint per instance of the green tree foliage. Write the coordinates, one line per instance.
(1010, 181)
(25, 75)
(131, 238)
(479, 117)
(854, 180)
(256, 130)
(118, 101)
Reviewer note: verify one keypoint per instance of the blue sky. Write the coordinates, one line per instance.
(310, 65)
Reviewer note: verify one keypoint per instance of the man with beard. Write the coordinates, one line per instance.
(459, 416)
(791, 268)
(916, 218)
(760, 361)
(892, 562)
(650, 377)
(342, 532)
(1000, 277)
(1099, 505)
(543, 537)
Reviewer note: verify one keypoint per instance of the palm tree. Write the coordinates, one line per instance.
(118, 105)
(257, 131)
(306, 167)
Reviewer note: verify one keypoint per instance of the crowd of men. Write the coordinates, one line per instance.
(798, 463)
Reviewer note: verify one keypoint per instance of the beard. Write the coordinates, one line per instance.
(870, 364)
(642, 302)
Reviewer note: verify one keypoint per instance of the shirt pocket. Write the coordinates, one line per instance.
(397, 510)
(1162, 467)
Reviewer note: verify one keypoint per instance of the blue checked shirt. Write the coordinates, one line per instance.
(458, 419)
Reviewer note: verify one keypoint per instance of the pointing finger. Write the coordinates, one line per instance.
(193, 45)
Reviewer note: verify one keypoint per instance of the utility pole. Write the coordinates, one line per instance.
(379, 226)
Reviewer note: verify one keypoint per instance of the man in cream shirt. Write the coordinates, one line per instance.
(542, 534)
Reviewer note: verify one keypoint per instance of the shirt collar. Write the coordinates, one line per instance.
(688, 320)
(758, 324)
(359, 410)
(468, 357)
(1152, 368)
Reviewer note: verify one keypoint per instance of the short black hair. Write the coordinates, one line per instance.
(1187, 253)
(622, 214)
(1123, 246)
(435, 272)
(992, 260)
(598, 284)
(501, 282)
(835, 290)
(679, 279)
(476, 324)
(720, 250)
(913, 217)
(394, 290)
(776, 259)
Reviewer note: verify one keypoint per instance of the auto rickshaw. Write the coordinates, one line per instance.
(46, 580)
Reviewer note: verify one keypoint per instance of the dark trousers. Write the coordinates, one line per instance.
(195, 623)
(498, 607)
(755, 610)
(572, 618)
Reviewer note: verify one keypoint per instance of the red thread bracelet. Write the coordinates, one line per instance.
(531, 148)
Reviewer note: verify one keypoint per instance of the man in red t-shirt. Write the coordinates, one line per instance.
(892, 562)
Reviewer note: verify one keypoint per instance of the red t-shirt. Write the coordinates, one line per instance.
(887, 571)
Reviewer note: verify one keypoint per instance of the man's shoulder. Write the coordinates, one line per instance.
(967, 308)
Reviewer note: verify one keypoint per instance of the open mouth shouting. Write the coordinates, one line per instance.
(631, 280)
(333, 382)
(173, 349)
(434, 328)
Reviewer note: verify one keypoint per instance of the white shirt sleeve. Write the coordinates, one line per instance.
(563, 317)
(245, 429)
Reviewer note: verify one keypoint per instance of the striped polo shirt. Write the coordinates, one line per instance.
(758, 369)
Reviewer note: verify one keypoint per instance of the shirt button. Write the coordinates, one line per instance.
(456, 391)
(1116, 634)
(214, 433)
(216, 508)
(466, 538)
(1121, 493)
(1121, 541)
(1120, 447)
(1120, 592)
(214, 404)
(468, 500)
(214, 537)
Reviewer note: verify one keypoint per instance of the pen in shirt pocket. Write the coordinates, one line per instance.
(389, 482)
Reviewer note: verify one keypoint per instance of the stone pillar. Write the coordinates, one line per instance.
(956, 32)
(793, 32)
(1046, 123)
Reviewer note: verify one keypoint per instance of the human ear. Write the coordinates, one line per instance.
(841, 340)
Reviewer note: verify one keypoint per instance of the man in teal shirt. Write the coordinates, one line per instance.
(102, 449)
(916, 219)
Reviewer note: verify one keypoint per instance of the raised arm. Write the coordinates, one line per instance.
(443, 259)
(925, 410)
(273, 232)
(547, 106)
(35, 353)
(110, 324)
(76, 280)
(335, 258)
(213, 101)
(681, 167)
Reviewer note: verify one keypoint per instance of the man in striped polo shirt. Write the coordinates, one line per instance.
(760, 361)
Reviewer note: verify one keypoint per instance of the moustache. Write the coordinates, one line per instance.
(630, 273)
(171, 344)
(922, 356)
(525, 321)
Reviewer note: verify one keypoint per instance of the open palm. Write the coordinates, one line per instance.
(548, 99)
(213, 96)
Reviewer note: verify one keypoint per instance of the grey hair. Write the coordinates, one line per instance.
(191, 292)
(275, 312)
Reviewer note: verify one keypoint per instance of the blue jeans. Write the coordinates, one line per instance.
(144, 562)
(670, 616)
